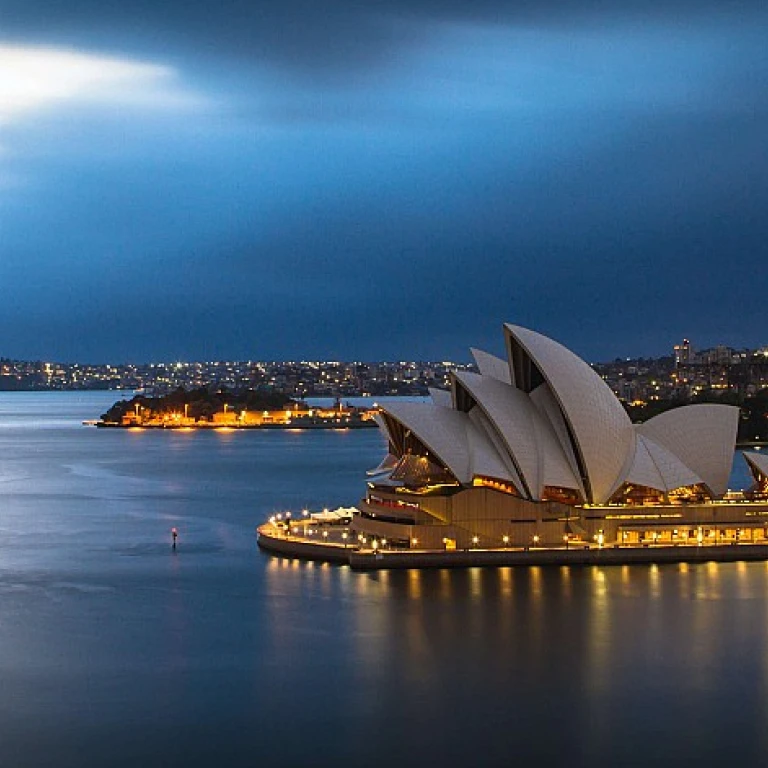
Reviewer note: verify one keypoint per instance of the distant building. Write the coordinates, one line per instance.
(683, 353)
(723, 355)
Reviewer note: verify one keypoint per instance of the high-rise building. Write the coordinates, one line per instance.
(683, 353)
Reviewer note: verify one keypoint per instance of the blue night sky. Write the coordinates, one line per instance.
(246, 179)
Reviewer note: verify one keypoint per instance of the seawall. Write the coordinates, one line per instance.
(367, 560)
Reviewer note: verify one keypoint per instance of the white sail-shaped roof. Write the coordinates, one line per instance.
(441, 397)
(485, 459)
(510, 412)
(757, 462)
(528, 438)
(655, 467)
(673, 471)
(387, 464)
(453, 438)
(442, 430)
(644, 470)
(702, 436)
(547, 419)
(601, 429)
(490, 365)
(382, 426)
(560, 468)
(483, 424)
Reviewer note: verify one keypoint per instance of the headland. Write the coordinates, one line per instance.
(203, 409)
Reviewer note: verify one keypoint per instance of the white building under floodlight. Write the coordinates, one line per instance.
(536, 450)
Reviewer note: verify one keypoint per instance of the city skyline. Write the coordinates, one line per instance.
(673, 352)
(687, 372)
(347, 183)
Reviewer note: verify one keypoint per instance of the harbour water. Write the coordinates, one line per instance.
(116, 651)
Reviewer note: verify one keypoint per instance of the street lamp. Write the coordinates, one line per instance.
(535, 539)
(505, 539)
(475, 540)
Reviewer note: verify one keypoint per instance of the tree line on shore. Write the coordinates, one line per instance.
(198, 404)
(753, 423)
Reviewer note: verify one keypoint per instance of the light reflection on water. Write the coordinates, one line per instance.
(114, 651)
(620, 650)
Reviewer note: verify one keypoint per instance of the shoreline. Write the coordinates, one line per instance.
(354, 425)
(370, 560)
(231, 427)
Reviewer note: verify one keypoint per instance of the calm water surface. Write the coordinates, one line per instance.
(114, 651)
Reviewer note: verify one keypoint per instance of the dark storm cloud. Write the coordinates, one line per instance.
(393, 179)
(316, 39)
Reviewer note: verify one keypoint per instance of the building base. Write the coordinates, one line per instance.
(273, 541)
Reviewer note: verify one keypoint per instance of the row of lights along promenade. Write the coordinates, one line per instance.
(315, 537)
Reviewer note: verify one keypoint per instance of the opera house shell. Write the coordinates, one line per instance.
(536, 449)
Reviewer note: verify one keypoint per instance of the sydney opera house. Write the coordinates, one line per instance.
(535, 450)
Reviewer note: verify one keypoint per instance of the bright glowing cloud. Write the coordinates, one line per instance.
(34, 78)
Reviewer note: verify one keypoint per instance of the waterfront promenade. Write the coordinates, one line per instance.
(325, 544)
